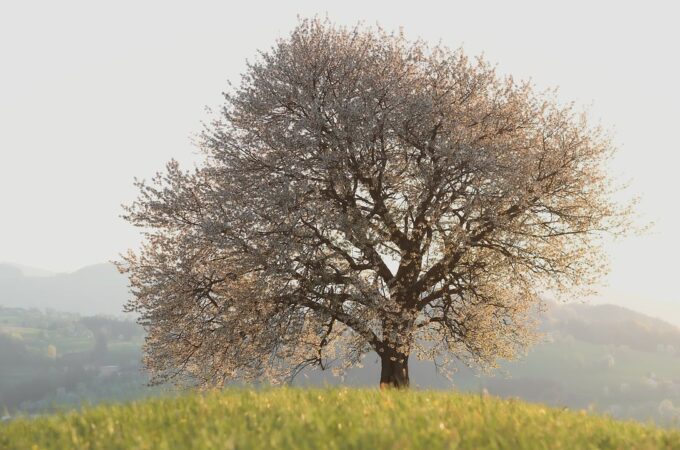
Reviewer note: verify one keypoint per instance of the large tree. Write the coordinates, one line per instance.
(361, 192)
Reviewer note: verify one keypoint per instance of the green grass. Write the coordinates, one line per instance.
(330, 419)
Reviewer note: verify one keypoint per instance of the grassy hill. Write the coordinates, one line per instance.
(331, 419)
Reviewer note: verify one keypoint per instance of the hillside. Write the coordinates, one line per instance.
(600, 357)
(51, 360)
(331, 419)
(583, 363)
(96, 289)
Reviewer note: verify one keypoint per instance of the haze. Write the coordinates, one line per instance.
(94, 95)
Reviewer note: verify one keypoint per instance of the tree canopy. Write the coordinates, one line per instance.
(362, 192)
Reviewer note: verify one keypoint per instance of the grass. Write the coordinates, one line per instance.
(330, 419)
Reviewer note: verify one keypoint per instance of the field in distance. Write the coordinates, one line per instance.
(331, 419)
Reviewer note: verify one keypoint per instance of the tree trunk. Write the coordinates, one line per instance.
(394, 372)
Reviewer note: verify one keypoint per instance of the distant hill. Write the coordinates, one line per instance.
(611, 325)
(96, 289)
(27, 270)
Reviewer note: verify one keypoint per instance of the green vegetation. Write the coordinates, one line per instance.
(53, 360)
(330, 418)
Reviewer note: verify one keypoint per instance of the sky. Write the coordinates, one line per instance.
(94, 94)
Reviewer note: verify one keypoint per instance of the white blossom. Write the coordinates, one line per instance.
(364, 192)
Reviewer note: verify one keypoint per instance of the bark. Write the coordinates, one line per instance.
(394, 372)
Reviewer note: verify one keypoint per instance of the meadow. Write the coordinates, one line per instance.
(340, 418)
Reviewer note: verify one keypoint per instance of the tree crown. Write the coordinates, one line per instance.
(365, 192)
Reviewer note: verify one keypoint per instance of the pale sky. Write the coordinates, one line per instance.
(93, 94)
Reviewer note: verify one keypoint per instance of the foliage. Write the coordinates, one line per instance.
(361, 192)
(331, 419)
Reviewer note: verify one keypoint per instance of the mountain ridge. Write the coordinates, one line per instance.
(90, 290)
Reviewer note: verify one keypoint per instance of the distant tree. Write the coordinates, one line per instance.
(125, 329)
(12, 349)
(100, 327)
(363, 192)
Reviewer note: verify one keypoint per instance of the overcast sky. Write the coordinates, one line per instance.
(93, 94)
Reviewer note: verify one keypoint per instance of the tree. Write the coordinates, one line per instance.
(100, 327)
(361, 192)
